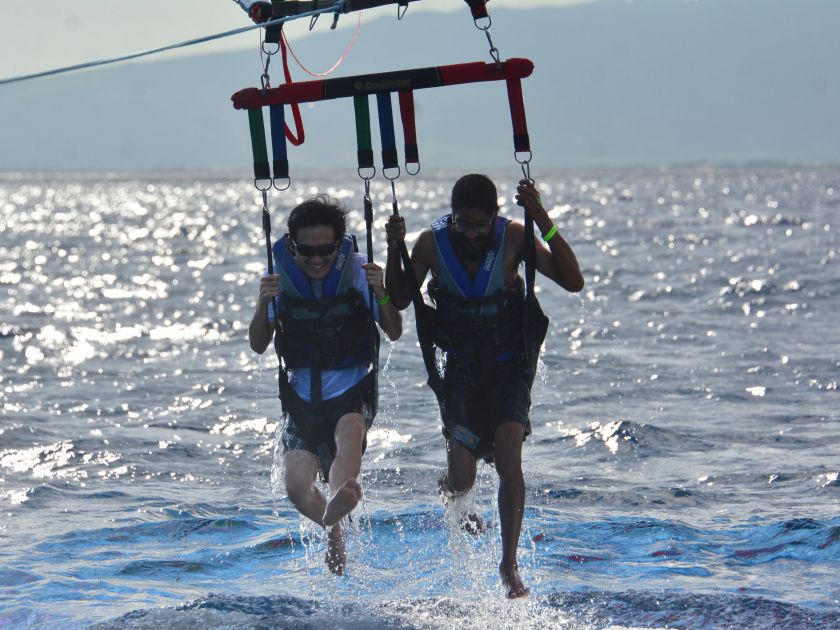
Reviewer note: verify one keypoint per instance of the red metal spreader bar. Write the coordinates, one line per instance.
(398, 81)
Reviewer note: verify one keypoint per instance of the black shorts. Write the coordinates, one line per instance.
(473, 407)
(311, 427)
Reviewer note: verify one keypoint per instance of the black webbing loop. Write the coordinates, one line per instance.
(534, 321)
(374, 335)
(423, 315)
(266, 221)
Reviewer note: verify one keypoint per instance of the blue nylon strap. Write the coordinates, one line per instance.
(386, 131)
(279, 152)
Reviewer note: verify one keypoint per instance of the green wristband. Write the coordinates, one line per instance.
(384, 300)
(550, 234)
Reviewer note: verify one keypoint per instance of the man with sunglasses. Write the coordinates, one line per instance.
(485, 391)
(317, 308)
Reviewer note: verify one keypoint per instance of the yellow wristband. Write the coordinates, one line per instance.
(550, 234)
(384, 300)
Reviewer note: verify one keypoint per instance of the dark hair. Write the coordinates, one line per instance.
(475, 191)
(320, 210)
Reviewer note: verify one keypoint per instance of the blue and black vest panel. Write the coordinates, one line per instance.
(477, 320)
(327, 332)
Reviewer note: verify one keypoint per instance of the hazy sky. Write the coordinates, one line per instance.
(45, 34)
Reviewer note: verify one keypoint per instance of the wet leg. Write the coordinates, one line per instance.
(301, 467)
(508, 456)
(300, 470)
(345, 490)
(459, 480)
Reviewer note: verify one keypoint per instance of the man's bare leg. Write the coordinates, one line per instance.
(300, 470)
(458, 480)
(345, 490)
(508, 456)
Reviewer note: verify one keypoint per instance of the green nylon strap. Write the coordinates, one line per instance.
(258, 145)
(363, 136)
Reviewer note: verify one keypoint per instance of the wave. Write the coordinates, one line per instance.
(569, 610)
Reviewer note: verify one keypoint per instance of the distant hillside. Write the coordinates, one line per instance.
(616, 83)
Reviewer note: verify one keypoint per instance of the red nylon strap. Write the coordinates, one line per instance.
(478, 8)
(521, 142)
(404, 80)
(296, 141)
(412, 155)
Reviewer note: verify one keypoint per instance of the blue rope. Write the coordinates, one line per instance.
(103, 62)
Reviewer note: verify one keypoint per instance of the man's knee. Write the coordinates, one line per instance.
(508, 451)
(508, 468)
(460, 481)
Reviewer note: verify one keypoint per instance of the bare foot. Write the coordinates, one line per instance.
(342, 502)
(512, 581)
(473, 524)
(336, 560)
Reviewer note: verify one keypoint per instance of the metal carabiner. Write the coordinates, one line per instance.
(494, 52)
(525, 165)
(394, 192)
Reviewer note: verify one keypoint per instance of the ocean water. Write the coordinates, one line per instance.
(683, 469)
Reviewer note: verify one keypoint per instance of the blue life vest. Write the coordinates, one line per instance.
(331, 331)
(477, 320)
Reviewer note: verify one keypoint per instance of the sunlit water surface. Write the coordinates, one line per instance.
(683, 469)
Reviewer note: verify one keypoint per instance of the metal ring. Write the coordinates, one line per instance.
(267, 188)
(479, 26)
(270, 52)
(372, 175)
(288, 181)
(402, 9)
(385, 173)
(526, 161)
(408, 170)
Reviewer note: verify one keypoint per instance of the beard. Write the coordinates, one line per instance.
(473, 250)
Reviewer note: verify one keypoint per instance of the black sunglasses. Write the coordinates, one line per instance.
(308, 251)
(466, 226)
